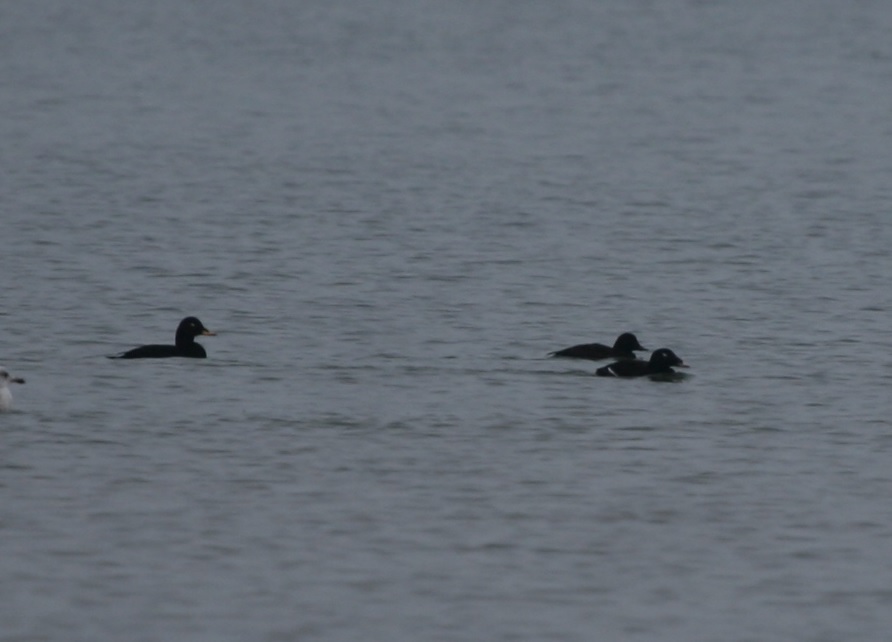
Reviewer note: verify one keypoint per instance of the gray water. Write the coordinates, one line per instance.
(390, 213)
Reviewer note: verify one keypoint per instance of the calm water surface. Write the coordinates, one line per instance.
(390, 216)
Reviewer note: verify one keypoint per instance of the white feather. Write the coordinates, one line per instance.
(5, 394)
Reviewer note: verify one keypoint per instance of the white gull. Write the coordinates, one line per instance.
(5, 394)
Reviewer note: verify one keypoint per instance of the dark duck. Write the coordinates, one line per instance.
(661, 363)
(623, 348)
(185, 345)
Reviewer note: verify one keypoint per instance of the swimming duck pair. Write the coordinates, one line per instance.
(661, 361)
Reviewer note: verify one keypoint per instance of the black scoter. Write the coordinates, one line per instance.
(661, 362)
(189, 328)
(623, 348)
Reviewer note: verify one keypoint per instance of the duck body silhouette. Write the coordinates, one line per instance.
(661, 363)
(623, 348)
(185, 345)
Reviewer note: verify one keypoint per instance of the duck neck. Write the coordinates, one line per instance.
(184, 339)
